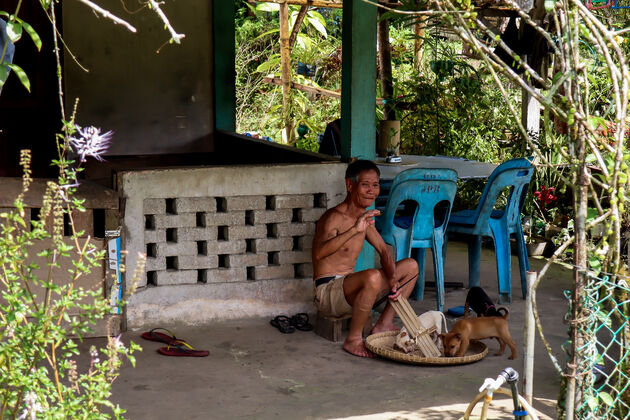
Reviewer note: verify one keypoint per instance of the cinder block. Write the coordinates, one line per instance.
(245, 202)
(168, 249)
(272, 244)
(163, 221)
(225, 219)
(196, 262)
(247, 232)
(164, 278)
(293, 257)
(305, 242)
(246, 260)
(227, 247)
(155, 264)
(154, 236)
(225, 275)
(208, 233)
(310, 215)
(304, 270)
(273, 272)
(293, 229)
(271, 216)
(154, 206)
(292, 201)
(195, 204)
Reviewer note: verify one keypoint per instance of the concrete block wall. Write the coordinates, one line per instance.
(224, 242)
(186, 243)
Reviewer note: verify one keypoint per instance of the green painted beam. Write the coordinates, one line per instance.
(358, 80)
(224, 68)
(358, 92)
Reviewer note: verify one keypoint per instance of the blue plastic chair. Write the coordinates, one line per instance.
(484, 220)
(428, 188)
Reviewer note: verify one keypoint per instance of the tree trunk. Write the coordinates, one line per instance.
(385, 64)
(285, 62)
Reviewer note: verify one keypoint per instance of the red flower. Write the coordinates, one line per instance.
(544, 196)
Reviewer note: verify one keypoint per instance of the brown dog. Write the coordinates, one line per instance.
(456, 342)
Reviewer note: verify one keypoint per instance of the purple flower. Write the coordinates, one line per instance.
(90, 143)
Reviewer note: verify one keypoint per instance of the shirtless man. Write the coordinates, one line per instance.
(338, 240)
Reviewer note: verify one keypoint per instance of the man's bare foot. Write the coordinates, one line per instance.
(357, 348)
(379, 328)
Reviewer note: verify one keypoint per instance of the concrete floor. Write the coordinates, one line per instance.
(254, 371)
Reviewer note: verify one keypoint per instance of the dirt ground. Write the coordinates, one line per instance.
(254, 371)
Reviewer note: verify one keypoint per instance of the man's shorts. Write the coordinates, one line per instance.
(330, 299)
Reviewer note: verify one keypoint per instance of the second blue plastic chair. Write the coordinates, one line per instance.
(485, 220)
(428, 189)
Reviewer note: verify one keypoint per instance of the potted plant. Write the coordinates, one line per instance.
(538, 228)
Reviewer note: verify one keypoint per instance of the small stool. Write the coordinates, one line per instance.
(332, 328)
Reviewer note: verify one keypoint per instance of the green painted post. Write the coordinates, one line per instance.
(224, 69)
(358, 80)
(358, 92)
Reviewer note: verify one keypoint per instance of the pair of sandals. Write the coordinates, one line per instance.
(288, 325)
(175, 346)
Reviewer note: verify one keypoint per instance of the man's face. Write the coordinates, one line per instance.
(366, 189)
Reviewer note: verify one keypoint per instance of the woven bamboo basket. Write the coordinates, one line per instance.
(382, 345)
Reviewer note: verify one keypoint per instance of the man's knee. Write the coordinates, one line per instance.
(373, 280)
(408, 265)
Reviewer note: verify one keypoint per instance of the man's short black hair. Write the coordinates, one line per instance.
(358, 166)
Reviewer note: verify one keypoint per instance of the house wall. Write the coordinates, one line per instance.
(156, 103)
(223, 242)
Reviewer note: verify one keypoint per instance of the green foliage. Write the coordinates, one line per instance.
(15, 27)
(450, 107)
(39, 317)
(259, 105)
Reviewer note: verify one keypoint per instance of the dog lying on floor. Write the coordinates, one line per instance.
(480, 302)
(457, 341)
(407, 344)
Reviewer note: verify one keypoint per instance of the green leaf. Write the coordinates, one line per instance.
(318, 23)
(606, 398)
(268, 7)
(14, 31)
(594, 263)
(4, 73)
(592, 402)
(21, 75)
(267, 33)
(268, 65)
(31, 32)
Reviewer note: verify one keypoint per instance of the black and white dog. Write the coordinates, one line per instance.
(481, 303)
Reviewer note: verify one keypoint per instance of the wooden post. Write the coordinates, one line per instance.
(285, 64)
(530, 116)
(418, 47)
(529, 340)
(385, 64)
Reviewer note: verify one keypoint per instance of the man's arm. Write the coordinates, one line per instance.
(387, 261)
(328, 240)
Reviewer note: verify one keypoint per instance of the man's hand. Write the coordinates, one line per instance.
(365, 220)
(395, 291)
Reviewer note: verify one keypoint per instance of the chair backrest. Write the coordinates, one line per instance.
(424, 173)
(427, 188)
(514, 174)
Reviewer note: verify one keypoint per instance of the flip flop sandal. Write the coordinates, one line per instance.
(283, 324)
(182, 349)
(300, 321)
(161, 337)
